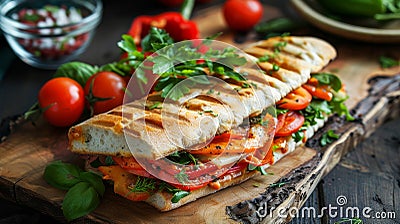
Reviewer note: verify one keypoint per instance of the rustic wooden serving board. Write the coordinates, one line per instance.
(28, 149)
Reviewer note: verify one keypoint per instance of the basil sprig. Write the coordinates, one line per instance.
(84, 189)
(77, 71)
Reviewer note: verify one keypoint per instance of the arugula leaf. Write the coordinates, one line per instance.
(62, 175)
(156, 39)
(315, 111)
(337, 105)
(80, 200)
(77, 71)
(328, 79)
(328, 137)
(387, 62)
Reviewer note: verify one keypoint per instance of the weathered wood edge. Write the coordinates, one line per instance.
(274, 205)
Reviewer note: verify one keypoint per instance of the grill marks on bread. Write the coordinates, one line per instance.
(296, 58)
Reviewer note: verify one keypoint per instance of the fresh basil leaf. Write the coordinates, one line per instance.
(328, 79)
(94, 180)
(77, 71)
(179, 195)
(61, 175)
(80, 200)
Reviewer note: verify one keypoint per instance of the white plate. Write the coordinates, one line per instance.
(313, 13)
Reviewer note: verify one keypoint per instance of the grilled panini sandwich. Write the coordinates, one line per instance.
(217, 137)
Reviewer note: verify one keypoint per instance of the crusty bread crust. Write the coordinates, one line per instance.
(154, 134)
(162, 200)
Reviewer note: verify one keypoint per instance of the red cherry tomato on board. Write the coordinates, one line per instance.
(105, 91)
(242, 15)
(63, 101)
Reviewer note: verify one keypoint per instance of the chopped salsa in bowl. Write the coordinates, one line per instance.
(48, 35)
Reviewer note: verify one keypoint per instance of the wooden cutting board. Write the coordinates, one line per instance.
(29, 148)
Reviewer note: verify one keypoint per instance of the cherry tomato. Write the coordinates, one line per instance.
(63, 101)
(105, 90)
(298, 99)
(321, 92)
(292, 123)
(242, 15)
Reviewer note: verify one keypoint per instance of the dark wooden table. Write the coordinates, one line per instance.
(368, 177)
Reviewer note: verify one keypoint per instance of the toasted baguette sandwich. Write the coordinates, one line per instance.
(171, 155)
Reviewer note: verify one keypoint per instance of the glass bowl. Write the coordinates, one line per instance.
(48, 33)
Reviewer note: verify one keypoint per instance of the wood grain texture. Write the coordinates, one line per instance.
(370, 175)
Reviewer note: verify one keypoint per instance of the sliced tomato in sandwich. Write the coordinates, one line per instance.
(132, 166)
(298, 99)
(289, 123)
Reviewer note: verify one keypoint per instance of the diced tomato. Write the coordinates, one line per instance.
(321, 91)
(298, 99)
(132, 166)
(292, 123)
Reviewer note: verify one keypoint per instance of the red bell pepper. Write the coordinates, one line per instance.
(176, 24)
(173, 22)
